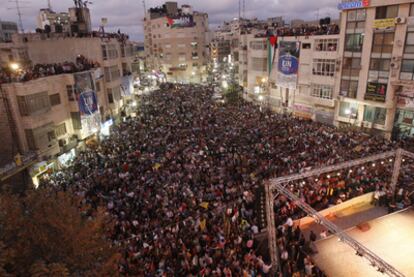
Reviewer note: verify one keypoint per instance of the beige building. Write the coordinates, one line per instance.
(376, 87)
(46, 116)
(176, 42)
(313, 96)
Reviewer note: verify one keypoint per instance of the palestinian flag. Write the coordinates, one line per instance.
(271, 52)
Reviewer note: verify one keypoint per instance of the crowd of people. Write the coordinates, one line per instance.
(179, 181)
(308, 30)
(25, 74)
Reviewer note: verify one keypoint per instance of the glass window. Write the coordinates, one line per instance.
(349, 110)
(353, 42)
(412, 10)
(54, 99)
(322, 91)
(383, 42)
(375, 115)
(380, 64)
(327, 45)
(349, 88)
(409, 43)
(324, 67)
(386, 12)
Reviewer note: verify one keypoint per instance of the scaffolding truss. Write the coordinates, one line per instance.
(278, 185)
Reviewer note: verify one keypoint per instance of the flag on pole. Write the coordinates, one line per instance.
(271, 52)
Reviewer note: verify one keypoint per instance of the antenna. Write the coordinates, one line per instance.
(145, 7)
(19, 12)
(244, 8)
(239, 9)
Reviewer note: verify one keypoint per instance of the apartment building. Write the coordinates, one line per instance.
(176, 42)
(7, 29)
(312, 94)
(377, 64)
(66, 91)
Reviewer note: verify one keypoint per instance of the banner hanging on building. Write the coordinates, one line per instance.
(288, 64)
(185, 21)
(127, 86)
(376, 92)
(88, 103)
(406, 99)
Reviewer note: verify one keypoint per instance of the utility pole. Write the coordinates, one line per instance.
(19, 13)
(145, 8)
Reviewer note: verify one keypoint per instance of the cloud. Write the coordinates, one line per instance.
(128, 15)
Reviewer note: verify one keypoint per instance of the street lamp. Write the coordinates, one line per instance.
(14, 66)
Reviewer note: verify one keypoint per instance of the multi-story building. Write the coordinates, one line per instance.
(312, 96)
(66, 90)
(56, 21)
(176, 42)
(7, 29)
(376, 87)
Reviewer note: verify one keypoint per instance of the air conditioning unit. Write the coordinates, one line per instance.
(400, 20)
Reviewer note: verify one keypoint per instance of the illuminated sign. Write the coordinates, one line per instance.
(353, 5)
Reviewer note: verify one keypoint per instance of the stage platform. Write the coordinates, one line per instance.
(391, 237)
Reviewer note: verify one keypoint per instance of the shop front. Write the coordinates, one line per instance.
(325, 116)
(303, 111)
(404, 119)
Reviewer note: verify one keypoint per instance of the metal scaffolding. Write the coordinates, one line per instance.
(277, 185)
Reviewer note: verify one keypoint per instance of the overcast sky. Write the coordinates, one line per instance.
(127, 15)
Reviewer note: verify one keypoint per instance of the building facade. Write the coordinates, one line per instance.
(176, 42)
(7, 29)
(375, 91)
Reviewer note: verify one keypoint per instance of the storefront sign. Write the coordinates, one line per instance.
(384, 23)
(303, 111)
(353, 5)
(324, 117)
(288, 64)
(376, 92)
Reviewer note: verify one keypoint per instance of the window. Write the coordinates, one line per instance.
(407, 70)
(110, 97)
(70, 92)
(34, 104)
(379, 64)
(258, 64)
(76, 120)
(194, 55)
(353, 42)
(376, 91)
(98, 86)
(322, 91)
(306, 46)
(112, 73)
(109, 51)
(54, 99)
(349, 88)
(412, 10)
(324, 67)
(325, 45)
(383, 42)
(349, 110)
(30, 139)
(386, 12)
(356, 20)
(60, 130)
(351, 67)
(375, 115)
(409, 43)
(258, 45)
(51, 136)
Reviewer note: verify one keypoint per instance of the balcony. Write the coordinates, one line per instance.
(13, 168)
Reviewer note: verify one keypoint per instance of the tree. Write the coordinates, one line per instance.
(46, 233)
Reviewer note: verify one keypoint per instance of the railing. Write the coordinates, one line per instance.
(26, 160)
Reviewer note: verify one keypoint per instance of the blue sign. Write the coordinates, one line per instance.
(353, 5)
(88, 103)
(288, 64)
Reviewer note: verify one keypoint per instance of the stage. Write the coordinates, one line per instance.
(390, 237)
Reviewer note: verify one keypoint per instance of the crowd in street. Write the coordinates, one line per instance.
(179, 183)
(25, 74)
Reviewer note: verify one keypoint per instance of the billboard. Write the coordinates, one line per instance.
(127, 85)
(88, 103)
(288, 64)
(184, 21)
(350, 5)
(376, 92)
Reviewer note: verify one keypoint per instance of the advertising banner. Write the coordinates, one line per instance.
(288, 64)
(88, 103)
(185, 21)
(406, 99)
(350, 5)
(376, 92)
(127, 86)
(384, 23)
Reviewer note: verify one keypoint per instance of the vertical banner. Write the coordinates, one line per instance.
(288, 64)
(271, 53)
(127, 86)
(88, 103)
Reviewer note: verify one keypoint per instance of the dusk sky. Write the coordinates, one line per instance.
(127, 15)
